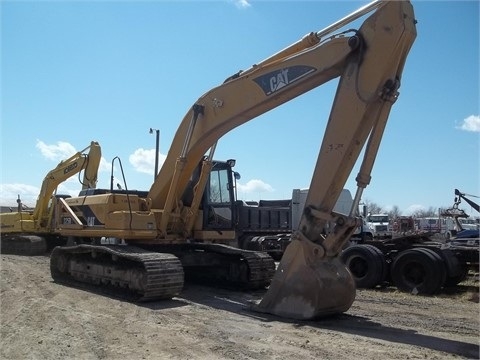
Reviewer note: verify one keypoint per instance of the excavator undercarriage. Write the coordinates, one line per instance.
(123, 271)
(155, 272)
(217, 264)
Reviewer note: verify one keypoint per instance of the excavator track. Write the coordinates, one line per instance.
(222, 265)
(122, 271)
(27, 245)
(262, 269)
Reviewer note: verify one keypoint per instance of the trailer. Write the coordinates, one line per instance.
(411, 262)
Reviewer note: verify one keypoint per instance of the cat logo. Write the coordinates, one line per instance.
(278, 79)
(91, 221)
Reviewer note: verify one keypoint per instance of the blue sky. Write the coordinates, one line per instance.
(73, 72)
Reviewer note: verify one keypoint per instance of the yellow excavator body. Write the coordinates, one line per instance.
(310, 280)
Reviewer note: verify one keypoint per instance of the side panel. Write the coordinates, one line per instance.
(252, 218)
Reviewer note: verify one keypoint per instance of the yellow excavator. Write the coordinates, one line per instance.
(31, 232)
(143, 246)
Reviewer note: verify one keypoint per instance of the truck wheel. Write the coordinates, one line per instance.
(456, 271)
(457, 279)
(418, 271)
(366, 263)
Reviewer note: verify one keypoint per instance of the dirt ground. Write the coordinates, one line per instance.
(44, 320)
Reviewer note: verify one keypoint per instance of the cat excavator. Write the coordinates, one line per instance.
(31, 232)
(143, 246)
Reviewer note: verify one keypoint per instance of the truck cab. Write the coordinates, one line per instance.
(379, 226)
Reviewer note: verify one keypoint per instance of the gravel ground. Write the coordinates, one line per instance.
(44, 320)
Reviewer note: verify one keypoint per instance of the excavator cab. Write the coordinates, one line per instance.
(219, 198)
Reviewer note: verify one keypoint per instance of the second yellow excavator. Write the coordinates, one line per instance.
(32, 232)
(142, 245)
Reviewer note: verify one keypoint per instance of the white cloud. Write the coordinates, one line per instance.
(242, 4)
(70, 186)
(254, 186)
(61, 151)
(471, 123)
(9, 194)
(64, 150)
(104, 165)
(144, 160)
(28, 194)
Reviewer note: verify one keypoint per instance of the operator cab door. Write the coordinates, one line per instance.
(219, 199)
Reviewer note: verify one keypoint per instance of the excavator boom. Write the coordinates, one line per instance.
(369, 64)
(310, 280)
(66, 169)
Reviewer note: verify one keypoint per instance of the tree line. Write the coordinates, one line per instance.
(374, 208)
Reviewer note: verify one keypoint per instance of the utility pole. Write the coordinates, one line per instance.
(157, 150)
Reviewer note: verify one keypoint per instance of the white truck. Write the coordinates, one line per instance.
(379, 226)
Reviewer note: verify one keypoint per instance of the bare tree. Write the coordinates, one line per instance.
(372, 208)
(395, 212)
(430, 212)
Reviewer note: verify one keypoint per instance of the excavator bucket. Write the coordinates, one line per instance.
(308, 285)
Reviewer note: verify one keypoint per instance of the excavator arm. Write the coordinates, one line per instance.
(369, 63)
(459, 196)
(310, 280)
(456, 213)
(64, 170)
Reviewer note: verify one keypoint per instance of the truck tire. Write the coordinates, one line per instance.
(418, 271)
(456, 279)
(366, 263)
(456, 271)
